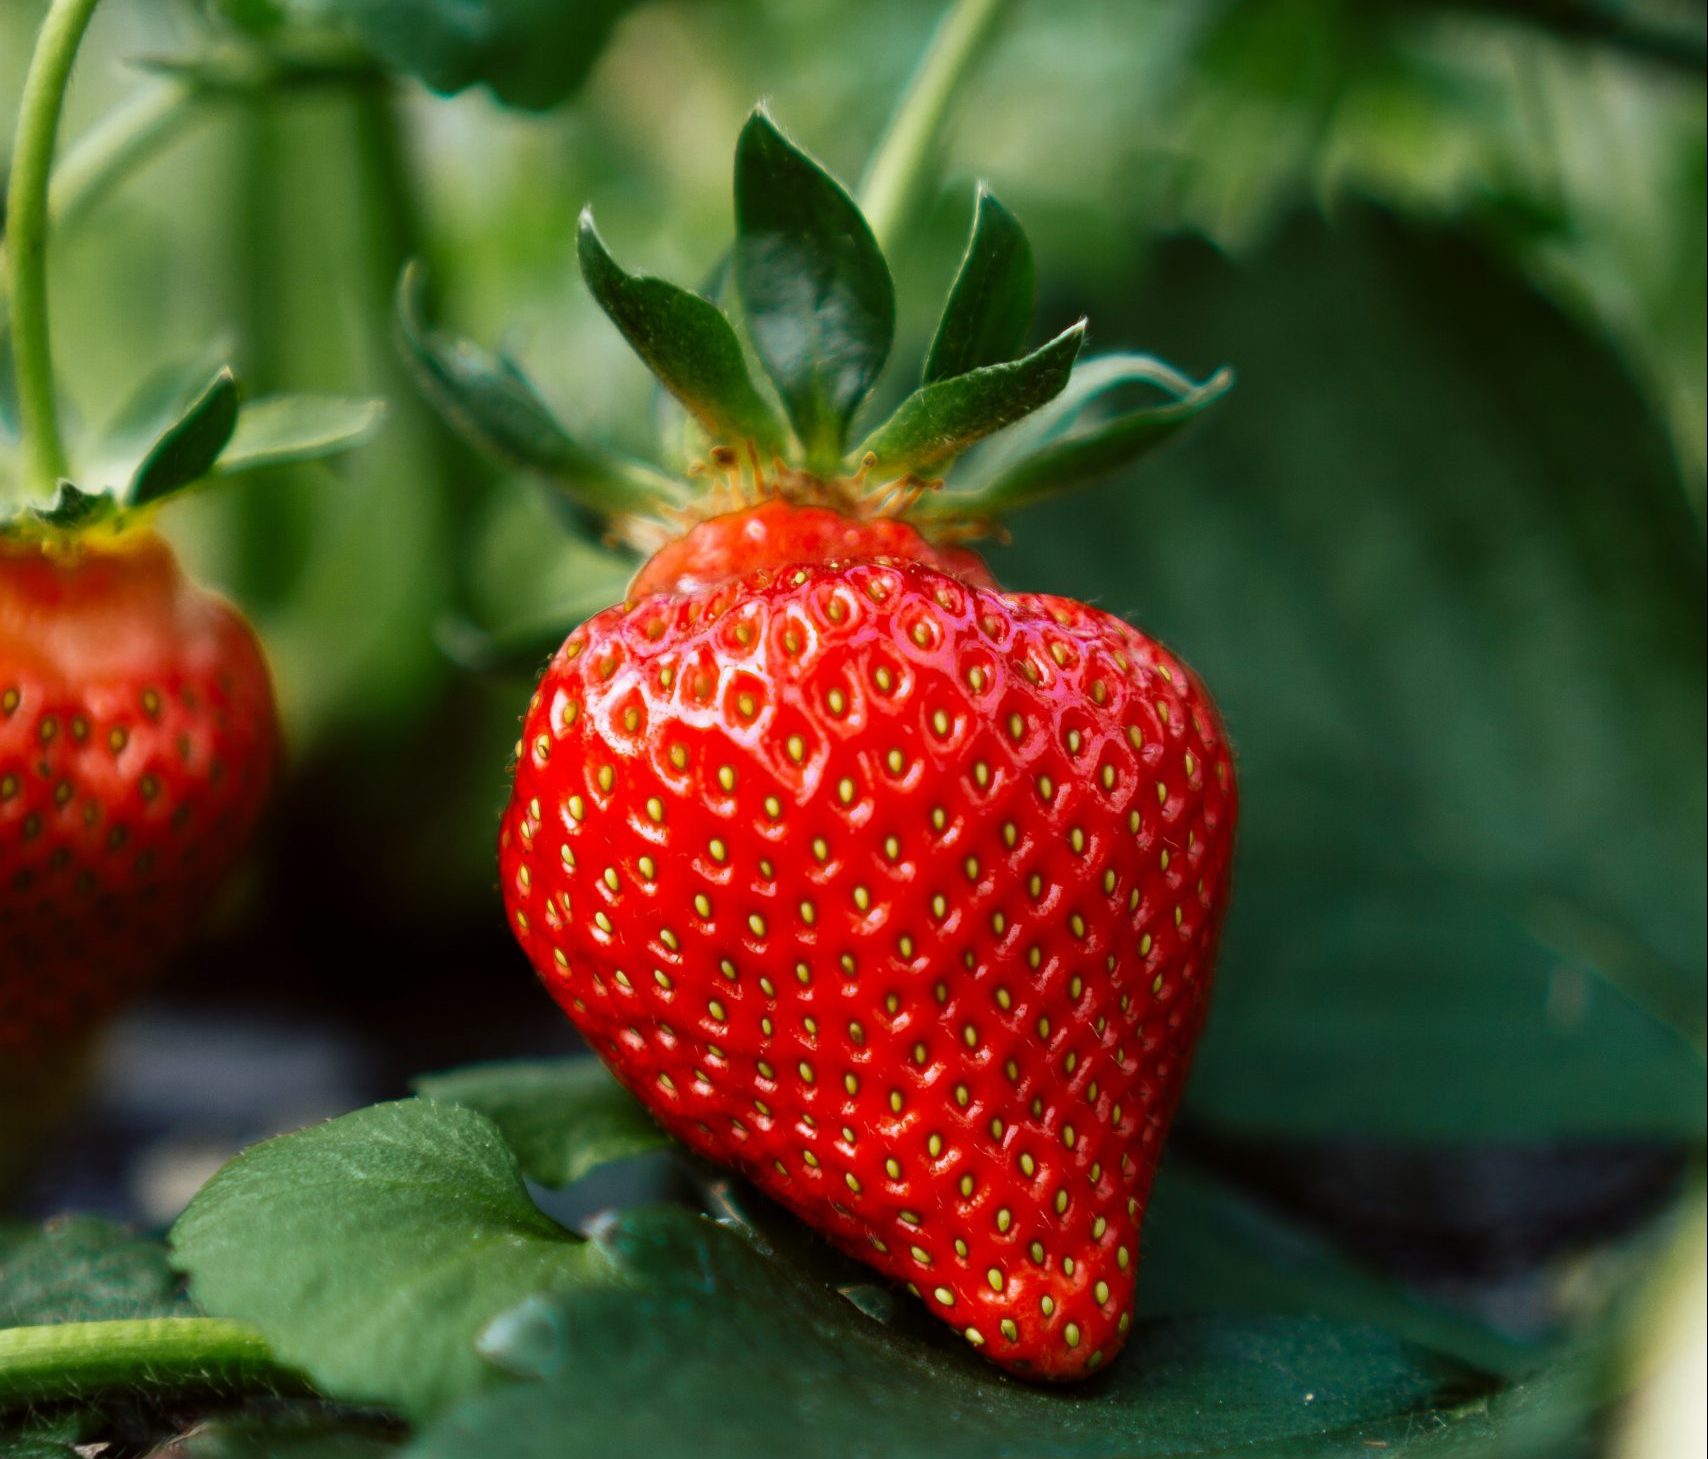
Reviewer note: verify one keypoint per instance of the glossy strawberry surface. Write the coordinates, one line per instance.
(137, 742)
(896, 892)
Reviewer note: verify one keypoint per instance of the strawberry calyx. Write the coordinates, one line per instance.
(194, 437)
(771, 391)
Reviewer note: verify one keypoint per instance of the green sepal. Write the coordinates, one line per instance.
(816, 295)
(989, 310)
(71, 510)
(286, 430)
(1060, 451)
(939, 421)
(161, 399)
(185, 452)
(685, 340)
(496, 407)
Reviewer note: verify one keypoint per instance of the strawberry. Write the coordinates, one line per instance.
(897, 892)
(894, 891)
(137, 741)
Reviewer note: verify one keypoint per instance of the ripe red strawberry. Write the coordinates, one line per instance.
(895, 891)
(137, 741)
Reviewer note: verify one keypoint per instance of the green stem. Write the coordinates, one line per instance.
(165, 1354)
(897, 173)
(27, 229)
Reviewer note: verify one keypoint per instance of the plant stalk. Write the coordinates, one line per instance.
(27, 231)
(162, 1354)
(898, 171)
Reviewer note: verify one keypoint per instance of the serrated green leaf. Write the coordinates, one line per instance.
(186, 451)
(686, 341)
(937, 422)
(816, 296)
(84, 1269)
(989, 310)
(492, 403)
(370, 1251)
(707, 1348)
(281, 430)
(1074, 444)
(1435, 565)
(562, 1118)
(532, 53)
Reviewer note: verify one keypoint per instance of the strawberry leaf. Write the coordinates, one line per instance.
(1072, 445)
(562, 1118)
(989, 310)
(373, 1249)
(1207, 1248)
(816, 295)
(761, 1357)
(532, 53)
(281, 430)
(492, 403)
(186, 451)
(937, 422)
(687, 342)
(84, 1269)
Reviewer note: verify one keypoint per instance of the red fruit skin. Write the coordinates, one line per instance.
(898, 893)
(138, 738)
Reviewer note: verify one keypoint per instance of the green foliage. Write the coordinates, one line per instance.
(767, 1362)
(185, 430)
(492, 403)
(532, 53)
(1084, 435)
(562, 1118)
(818, 307)
(187, 450)
(373, 1250)
(84, 1269)
(815, 291)
(395, 1254)
(935, 424)
(988, 313)
(688, 344)
(288, 430)
(1446, 589)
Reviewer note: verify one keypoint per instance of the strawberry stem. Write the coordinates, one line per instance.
(27, 228)
(162, 1354)
(898, 171)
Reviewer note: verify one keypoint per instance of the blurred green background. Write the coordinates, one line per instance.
(1440, 555)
